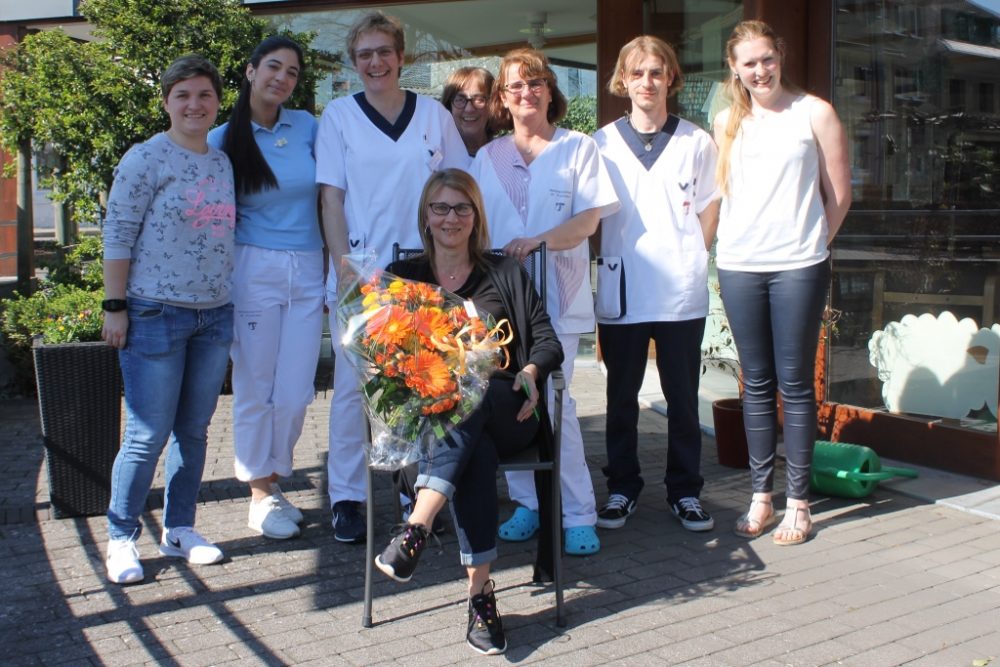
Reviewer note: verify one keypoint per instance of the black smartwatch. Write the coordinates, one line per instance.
(114, 305)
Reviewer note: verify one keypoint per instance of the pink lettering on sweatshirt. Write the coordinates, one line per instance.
(220, 213)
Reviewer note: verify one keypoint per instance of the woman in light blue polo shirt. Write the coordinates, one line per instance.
(277, 280)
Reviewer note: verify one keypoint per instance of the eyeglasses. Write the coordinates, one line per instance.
(384, 52)
(460, 100)
(462, 209)
(517, 88)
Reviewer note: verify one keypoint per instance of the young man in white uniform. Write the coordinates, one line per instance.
(663, 169)
(561, 181)
(374, 152)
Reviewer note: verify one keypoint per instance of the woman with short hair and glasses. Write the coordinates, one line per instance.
(543, 184)
(374, 152)
(466, 94)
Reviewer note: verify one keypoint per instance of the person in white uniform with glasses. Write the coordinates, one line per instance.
(374, 152)
(547, 184)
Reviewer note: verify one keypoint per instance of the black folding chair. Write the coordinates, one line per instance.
(530, 459)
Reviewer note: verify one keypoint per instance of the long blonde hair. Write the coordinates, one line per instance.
(739, 96)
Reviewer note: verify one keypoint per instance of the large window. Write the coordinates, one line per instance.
(441, 36)
(915, 84)
(698, 29)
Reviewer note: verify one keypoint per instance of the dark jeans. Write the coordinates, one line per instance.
(463, 467)
(775, 319)
(678, 360)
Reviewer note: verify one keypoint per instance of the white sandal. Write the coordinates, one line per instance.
(750, 528)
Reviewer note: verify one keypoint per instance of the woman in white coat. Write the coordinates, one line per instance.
(547, 184)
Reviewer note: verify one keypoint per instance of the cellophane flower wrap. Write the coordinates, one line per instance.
(424, 355)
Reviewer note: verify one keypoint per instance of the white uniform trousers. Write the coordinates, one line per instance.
(578, 503)
(278, 303)
(345, 464)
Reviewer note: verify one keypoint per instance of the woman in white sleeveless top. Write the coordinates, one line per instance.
(783, 170)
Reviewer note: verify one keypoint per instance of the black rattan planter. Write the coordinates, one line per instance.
(79, 400)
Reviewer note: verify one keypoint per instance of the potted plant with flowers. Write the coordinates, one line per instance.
(57, 330)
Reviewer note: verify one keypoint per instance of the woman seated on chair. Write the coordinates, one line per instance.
(462, 467)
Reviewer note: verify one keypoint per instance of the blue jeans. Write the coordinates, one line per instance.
(173, 366)
(463, 467)
(775, 318)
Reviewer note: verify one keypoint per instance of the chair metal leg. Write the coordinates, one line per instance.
(366, 617)
(557, 503)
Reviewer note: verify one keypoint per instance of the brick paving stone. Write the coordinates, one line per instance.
(208, 656)
(832, 650)
(697, 646)
(889, 655)
(743, 653)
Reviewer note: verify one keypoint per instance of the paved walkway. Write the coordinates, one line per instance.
(887, 580)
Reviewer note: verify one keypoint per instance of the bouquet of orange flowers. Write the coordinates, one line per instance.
(424, 355)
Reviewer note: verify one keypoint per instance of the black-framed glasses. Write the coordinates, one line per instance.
(460, 100)
(517, 88)
(462, 209)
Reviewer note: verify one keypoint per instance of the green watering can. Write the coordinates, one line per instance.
(849, 471)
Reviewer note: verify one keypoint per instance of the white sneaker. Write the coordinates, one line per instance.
(123, 562)
(186, 542)
(290, 510)
(269, 519)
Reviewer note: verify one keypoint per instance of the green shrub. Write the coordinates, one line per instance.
(581, 115)
(58, 313)
(66, 308)
(80, 266)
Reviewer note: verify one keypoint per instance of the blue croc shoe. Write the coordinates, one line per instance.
(520, 527)
(581, 541)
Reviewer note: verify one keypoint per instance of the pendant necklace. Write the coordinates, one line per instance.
(647, 143)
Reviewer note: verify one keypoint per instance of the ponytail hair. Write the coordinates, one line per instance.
(738, 95)
(251, 173)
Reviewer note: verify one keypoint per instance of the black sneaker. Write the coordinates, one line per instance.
(348, 524)
(439, 527)
(616, 511)
(485, 634)
(399, 559)
(689, 512)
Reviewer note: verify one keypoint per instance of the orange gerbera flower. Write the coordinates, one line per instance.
(425, 294)
(440, 406)
(430, 322)
(389, 326)
(427, 374)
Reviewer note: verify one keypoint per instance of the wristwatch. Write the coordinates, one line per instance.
(114, 305)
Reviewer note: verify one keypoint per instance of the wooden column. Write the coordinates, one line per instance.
(618, 21)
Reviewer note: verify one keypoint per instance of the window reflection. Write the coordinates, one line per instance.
(916, 86)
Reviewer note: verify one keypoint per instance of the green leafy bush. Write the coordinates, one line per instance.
(58, 313)
(66, 308)
(581, 115)
(80, 265)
